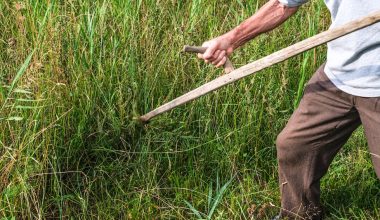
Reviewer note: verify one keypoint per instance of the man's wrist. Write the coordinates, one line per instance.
(231, 38)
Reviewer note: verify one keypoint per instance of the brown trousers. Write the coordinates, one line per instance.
(323, 122)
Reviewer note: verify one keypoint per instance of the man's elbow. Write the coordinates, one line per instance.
(288, 7)
(294, 4)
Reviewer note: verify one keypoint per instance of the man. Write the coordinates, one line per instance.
(341, 95)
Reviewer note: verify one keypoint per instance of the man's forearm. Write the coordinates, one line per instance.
(271, 15)
(267, 18)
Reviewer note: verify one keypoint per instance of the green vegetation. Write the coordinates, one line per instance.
(75, 73)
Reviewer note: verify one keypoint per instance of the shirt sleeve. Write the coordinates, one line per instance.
(293, 3)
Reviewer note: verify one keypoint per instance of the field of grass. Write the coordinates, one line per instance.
(74, 74)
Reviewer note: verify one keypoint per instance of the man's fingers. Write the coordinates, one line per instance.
(210, 53)
(213, 54)
(213, 57)
(219, 58)
(222, 62)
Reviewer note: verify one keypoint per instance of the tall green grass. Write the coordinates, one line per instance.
(75, 73)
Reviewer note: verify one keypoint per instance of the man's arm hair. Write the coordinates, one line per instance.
(268, 17)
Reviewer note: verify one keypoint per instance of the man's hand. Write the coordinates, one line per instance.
(218, 50)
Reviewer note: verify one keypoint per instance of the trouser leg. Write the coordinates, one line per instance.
(324, 120)
(369, 111)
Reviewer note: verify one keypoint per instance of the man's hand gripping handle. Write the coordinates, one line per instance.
(228, 67)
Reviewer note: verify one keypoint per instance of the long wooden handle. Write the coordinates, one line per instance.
(265, 62)
(228, 66)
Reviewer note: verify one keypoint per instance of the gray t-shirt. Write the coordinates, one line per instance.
(353, 61)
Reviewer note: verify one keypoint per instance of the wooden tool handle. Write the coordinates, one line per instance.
(228, 66)
(194, 49)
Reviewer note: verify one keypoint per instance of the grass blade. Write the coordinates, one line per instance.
(218, 198)
(196, 212)
(15, 118)
(20, 72)
(209, 197)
